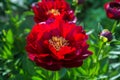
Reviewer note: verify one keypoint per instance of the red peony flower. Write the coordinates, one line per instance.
(113, 10)
(57, 45)
(50, 9)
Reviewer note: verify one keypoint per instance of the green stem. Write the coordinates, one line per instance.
(114, 26)
(96, 71)
(101, 46)
(55, 75)
(48, 75)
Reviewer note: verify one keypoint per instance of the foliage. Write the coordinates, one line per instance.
(16, 21)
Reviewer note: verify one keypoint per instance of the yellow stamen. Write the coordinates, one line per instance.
(58, 42)
(54, 12)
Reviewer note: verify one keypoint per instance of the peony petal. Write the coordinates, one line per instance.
(67, 29)
(70, 64)
(48, 63)
(62, 52)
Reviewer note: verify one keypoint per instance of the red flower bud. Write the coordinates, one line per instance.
(107, 34)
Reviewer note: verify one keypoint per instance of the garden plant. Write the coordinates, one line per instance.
(59, 39)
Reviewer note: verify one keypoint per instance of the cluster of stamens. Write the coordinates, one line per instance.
(54, 12)
(58, 42)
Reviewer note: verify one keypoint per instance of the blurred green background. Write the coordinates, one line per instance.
(16, 21)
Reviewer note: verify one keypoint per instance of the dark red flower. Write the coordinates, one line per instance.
(56, 45)
(113, 10)
(48, 9)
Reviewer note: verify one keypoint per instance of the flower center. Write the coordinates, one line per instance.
(58, 42)
(54, 12)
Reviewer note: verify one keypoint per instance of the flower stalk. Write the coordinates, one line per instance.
(114, 26)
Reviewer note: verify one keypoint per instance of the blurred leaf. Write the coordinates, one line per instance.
(39, 72)
(7, 52)
(90, 32)
(9, 36)
(6, 72)
(113, 56)
(115, 65)
(62, 72)
(103, 77)
(36, 78)
(81, 70)
(95, 70)
(28, 13)
(27, 30)
(115, 52)
(115, 77)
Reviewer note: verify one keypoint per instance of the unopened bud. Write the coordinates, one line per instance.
(106, 35)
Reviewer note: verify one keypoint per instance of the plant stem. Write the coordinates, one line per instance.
(101, 46)
(55, 75)
(48, 75)
(114, 26)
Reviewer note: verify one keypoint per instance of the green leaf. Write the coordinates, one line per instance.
(62, 72)
(36, 78)
(116, 77)
(28, 13)
(81, 70)
(7, 52)
(115, 65)
(95, 69)
(115, 52)
(9, 36)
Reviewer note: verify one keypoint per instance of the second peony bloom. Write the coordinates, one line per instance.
(50, 9)
(57, 45)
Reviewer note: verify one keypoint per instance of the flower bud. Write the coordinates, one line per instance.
(106, 35)
(79, 1)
